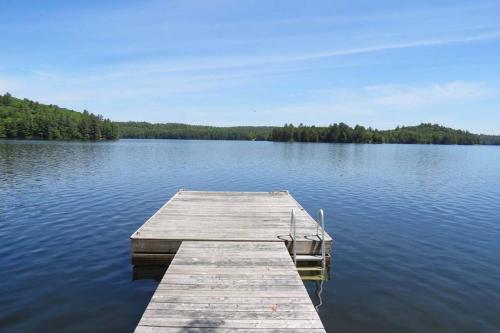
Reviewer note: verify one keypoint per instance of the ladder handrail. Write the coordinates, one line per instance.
(321, 217)
(321, 237)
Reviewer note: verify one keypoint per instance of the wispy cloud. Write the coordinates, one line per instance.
(404, 45)
(411, 96)
(193, 65)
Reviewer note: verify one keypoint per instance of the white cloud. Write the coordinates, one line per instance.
(411, 96)
(404, 45)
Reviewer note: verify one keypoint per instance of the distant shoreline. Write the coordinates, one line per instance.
(229, 140)
(336, 133)
(27, 119)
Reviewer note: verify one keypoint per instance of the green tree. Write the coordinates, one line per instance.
(26, 119)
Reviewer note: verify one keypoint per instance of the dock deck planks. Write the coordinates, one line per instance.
(220, 286)
(224, 216)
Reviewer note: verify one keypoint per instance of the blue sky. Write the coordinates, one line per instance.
(376, 63)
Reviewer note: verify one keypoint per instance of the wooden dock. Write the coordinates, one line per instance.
(224, 216)
(220, 286)
(230, 260)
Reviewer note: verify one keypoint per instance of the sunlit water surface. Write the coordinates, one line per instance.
(416, 228)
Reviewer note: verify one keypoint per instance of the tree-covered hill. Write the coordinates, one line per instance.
(342, 133)
(26, 119)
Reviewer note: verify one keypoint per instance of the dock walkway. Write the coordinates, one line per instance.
(230, 264)
(231, 287)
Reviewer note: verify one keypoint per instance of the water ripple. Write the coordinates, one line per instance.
(416, 228)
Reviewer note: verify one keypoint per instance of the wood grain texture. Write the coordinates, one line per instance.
(220, 286)
(225, 216)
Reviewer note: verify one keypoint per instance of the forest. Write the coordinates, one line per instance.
(343, 133)
(337, 133)
(26, 119)
(144, 130)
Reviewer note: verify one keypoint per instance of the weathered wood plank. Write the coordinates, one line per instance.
(230, 314)
(227, 282)
(233, 276)
(230, 323)
(253, 307)
(155, 329)
(235, 286)
(231, 293)
(213, 291)
(229, 300)
(238, 216)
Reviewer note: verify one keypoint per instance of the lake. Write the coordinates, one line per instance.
(416, 228)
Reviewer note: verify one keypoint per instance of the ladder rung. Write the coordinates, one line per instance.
(306, 257)
(309, 269)
(312, 277)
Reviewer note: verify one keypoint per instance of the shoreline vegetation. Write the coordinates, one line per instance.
(336, 133)
(26, 119)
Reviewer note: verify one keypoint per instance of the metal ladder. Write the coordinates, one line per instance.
(321, 237)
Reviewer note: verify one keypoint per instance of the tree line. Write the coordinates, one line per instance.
(337, 133)
(26, 119)
(490, 139)
(343, 133)
(144, 130)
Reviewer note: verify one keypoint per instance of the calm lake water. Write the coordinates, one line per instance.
(416, 228)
